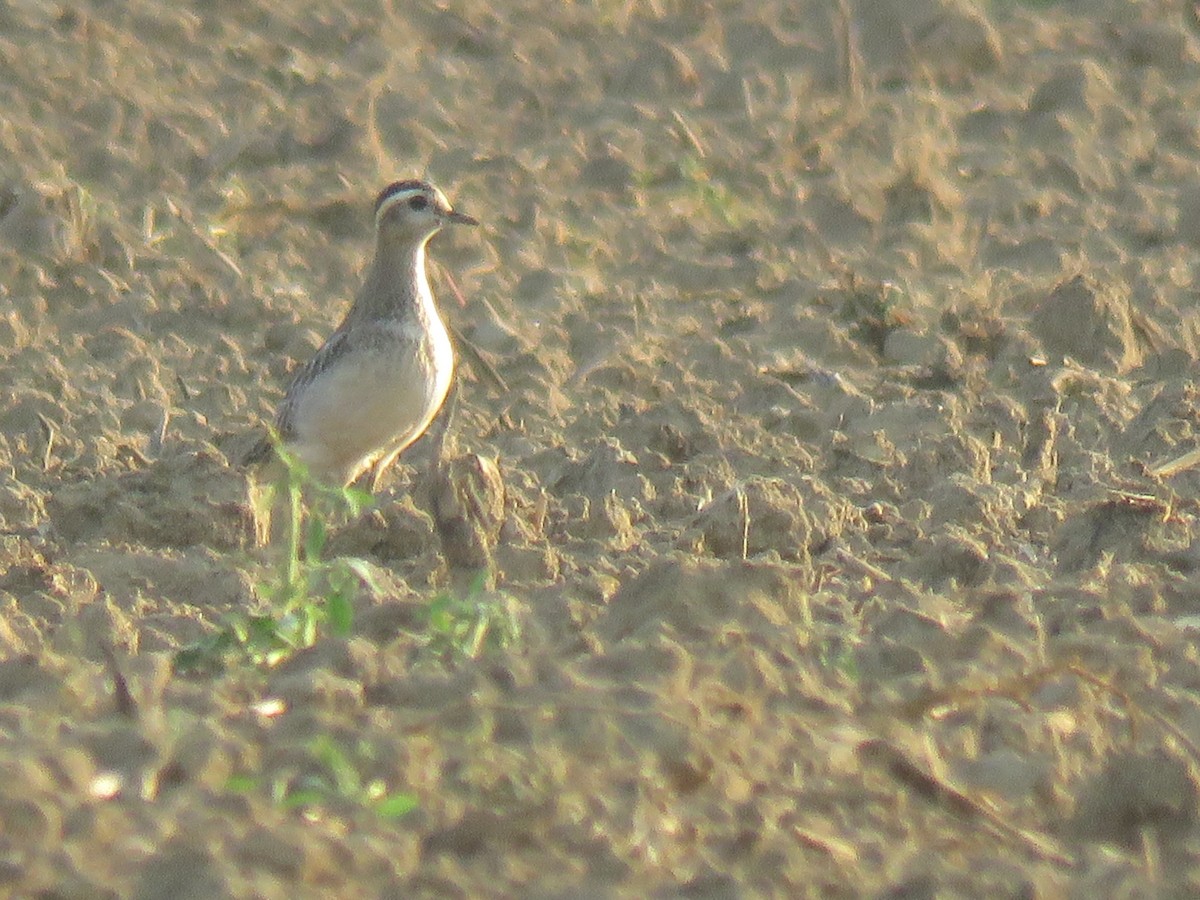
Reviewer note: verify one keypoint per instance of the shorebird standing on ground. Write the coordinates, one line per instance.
(378, 381)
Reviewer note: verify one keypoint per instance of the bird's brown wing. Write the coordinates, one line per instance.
(338, 344)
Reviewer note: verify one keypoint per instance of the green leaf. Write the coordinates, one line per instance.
(335, 759)
(314, 541)
(440, 617)
(262, 631)
(478, 635)
(340, 612)
(303, 797)
(395, 806)
(357, 499)
(478, 584)
(365, 571)
(307, 631)
(241, 784)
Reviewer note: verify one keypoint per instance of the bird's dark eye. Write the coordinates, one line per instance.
(418, 202)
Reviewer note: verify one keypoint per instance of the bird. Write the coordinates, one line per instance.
(380, 379)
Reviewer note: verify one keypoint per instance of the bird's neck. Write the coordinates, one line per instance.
(396, 286)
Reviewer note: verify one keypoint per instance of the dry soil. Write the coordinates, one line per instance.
(845, 348)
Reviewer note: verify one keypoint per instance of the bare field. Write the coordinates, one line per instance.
(844, 343)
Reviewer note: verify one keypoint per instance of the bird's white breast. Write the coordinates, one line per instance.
(378, 397)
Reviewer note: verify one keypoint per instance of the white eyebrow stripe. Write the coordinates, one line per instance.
(398, 197)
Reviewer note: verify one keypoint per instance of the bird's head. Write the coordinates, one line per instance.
(414, 211)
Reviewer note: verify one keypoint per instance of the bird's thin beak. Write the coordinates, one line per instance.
(461, 218)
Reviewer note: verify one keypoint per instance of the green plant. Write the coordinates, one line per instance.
(470, 624)
(307, 589)
(334, 778)
(839, 656)
(305, 594)
(712, 194)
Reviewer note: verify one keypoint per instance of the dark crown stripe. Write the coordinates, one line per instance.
(397, 187)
